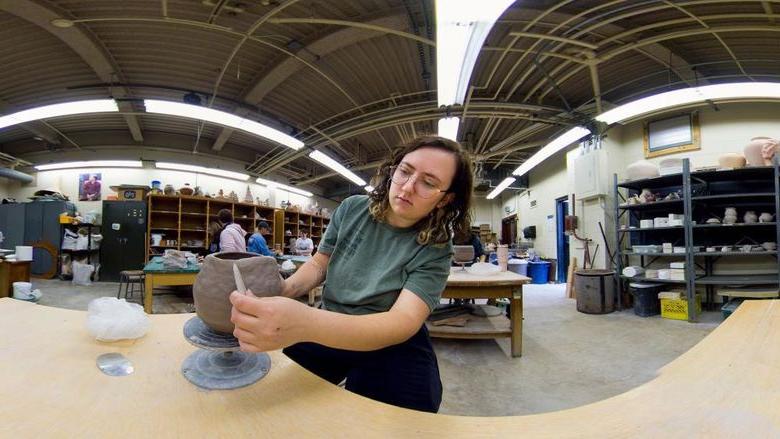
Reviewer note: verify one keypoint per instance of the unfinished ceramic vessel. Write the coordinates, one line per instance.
(731, 160)
(641, 169)
(215, 282)
(760, 150)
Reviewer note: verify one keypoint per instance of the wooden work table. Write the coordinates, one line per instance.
(507, 285)
(726, 386)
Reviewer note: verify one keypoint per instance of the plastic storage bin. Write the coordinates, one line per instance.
(678, 309)
(646, 301)
(519, 266)
(539, 272)
(730, 307)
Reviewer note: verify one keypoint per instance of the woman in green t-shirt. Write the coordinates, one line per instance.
(385, 260)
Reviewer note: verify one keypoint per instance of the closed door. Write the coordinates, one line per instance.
(124, 228)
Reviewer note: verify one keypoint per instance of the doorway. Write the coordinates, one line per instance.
(561, 210)
(509, 230)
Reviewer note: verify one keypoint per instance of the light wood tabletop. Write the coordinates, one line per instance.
(726, 386)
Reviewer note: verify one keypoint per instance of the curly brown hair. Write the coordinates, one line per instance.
(443, 223)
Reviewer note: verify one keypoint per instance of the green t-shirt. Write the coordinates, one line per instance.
(371, 262)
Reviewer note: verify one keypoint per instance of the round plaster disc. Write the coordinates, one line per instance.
(225, 370)
(199, 334)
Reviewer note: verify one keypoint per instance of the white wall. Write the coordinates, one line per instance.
(547, 182)
(485, 211)
(67, 182)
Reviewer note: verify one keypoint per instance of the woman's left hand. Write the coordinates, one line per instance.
(267, 323)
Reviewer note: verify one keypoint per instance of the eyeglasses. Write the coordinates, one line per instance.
(424, 187)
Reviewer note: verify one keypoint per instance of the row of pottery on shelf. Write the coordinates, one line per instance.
(759, 152)
(750, 217)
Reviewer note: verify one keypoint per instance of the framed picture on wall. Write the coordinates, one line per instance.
(671, 135)
(89, 187)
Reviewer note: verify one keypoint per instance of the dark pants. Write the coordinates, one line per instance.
(404, 375)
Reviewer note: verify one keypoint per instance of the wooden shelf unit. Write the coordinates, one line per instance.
(186, 220)
(313, 225)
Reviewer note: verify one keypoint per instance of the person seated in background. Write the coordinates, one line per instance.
(231, 239)
(304, 246)
(257, 243)
(471, 239)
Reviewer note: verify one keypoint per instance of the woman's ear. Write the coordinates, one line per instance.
(446, 200)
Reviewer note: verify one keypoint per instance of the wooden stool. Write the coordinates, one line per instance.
(130, 278)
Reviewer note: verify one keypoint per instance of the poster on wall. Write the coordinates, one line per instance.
(89, 187)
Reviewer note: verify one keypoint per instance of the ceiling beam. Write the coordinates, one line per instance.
(329, 43)
(91, 51)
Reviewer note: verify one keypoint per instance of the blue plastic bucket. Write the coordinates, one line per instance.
(539, 272)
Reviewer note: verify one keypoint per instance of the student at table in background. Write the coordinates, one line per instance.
(231, 238)
(471, 239)
(304, 245)
(386, 256)
(257, 243)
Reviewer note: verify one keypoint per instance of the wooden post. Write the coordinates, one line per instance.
(570, 293)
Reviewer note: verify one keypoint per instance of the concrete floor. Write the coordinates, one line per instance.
(569, 358)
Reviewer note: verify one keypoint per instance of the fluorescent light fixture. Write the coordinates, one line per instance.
(221, 118)
(57, 110)
(685, 96)
(92, 164)
(461, 29)
(448, 127)
(202, 170)
(272, 184)
(338, 167)
(369, 188)
(503, 185)
(551, 148)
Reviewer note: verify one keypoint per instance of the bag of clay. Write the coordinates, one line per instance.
(111, 319)
(69, 240)
(82, 273)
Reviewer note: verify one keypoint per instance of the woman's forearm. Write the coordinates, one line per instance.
(359, 332)
(309, 275)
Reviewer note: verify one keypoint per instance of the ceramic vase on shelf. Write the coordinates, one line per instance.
(647, 196)
(642, 169)
(766, 217)
(731, 160)
(761, 150)
(750, 217)
(216, 281)
(169, 190)
(186, 189)
(731, 216)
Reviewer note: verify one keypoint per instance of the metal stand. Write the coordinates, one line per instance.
(219, 364)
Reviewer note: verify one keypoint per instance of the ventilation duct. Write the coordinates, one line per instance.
(13, 174)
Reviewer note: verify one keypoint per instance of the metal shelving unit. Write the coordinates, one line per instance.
(701, 194)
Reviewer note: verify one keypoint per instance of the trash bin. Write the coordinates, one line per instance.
(539, 272)
(646, 301)
(519, 266)
(595, 290)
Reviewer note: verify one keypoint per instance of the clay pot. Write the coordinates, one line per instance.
(750, 217)
(186, 189)
(169, 190)
(731, 211)
(641, 169)
(731, 160)
(646, 196)
(766, 217)
(215, 282)
(760, 150)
